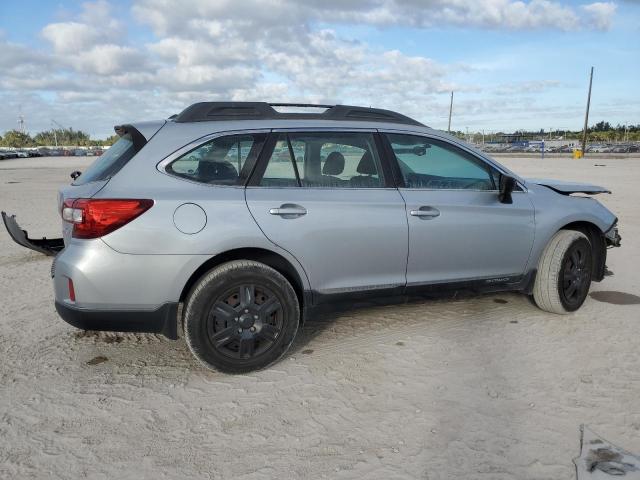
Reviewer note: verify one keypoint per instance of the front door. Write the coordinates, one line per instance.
(326, 199)
(458, 230)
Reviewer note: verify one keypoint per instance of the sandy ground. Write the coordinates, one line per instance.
(480, 388)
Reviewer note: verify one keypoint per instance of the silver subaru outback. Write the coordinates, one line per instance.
(252, 218)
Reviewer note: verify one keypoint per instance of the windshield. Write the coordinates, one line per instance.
(110, 162)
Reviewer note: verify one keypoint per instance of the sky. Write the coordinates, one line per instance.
(512, 64)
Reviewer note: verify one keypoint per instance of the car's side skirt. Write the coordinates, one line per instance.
(348, 299)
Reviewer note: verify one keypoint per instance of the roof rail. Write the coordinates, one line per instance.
(211, 111)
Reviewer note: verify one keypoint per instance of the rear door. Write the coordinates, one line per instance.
(458, 230)
(326, 197)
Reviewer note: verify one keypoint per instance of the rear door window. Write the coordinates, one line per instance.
(324, 160)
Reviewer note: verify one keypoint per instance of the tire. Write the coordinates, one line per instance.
(564, 273)
(241, 316)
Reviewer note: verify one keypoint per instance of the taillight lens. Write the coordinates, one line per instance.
(96, 217)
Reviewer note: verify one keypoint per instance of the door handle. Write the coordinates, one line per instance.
(288, 210)
(425, 212)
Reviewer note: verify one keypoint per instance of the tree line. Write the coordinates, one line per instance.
(599, 132)
(60, 136)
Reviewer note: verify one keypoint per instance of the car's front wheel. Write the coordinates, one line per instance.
(241, 316)
(564, 273)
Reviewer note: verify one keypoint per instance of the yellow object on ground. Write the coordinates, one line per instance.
(577, 153)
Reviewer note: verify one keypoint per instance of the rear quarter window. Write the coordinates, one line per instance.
(225, 160)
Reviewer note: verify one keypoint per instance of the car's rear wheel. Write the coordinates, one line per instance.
(241, 316)
(564, 273)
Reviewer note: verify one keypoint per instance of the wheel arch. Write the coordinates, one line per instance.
(274, 260)
(598, 244)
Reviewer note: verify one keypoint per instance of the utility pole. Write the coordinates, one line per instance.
(586, 115)
(55, 136)
(450, 110)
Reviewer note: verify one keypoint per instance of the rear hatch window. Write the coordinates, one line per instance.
(110, 162)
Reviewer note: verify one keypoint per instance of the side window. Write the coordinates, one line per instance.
(280, 171)
(221, 161)
(324, 160)
(432, 164)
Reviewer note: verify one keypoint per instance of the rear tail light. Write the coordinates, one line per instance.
(96, 217)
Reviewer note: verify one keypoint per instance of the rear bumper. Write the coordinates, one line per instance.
(48, 246)
(119, 292)
(162, 320)
(106, 280)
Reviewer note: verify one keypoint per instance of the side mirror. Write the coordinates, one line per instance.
(507, 184)
(75, 174)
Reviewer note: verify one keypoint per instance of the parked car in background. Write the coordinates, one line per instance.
(6, 154)
(252, 219)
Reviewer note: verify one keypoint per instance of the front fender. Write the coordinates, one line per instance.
(554, 211)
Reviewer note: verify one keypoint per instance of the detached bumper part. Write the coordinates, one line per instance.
(48, 246)
(162, 320)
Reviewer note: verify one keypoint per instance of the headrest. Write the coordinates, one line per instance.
(334, 164)
(367, 166)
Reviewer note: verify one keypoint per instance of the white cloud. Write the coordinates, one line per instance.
(600, 14)
(166, 19)
(108, 59)
(531, 86)
(94, 26)
(71, 37)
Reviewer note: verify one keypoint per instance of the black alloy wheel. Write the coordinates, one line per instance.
(575, 275)
(245, 321)
(241, 316)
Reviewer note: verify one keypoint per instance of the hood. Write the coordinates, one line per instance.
(567, 188)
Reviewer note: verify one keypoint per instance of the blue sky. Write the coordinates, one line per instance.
(512, 64)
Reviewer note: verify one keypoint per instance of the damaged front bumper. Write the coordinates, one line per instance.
(48, 246)
(612, 236)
